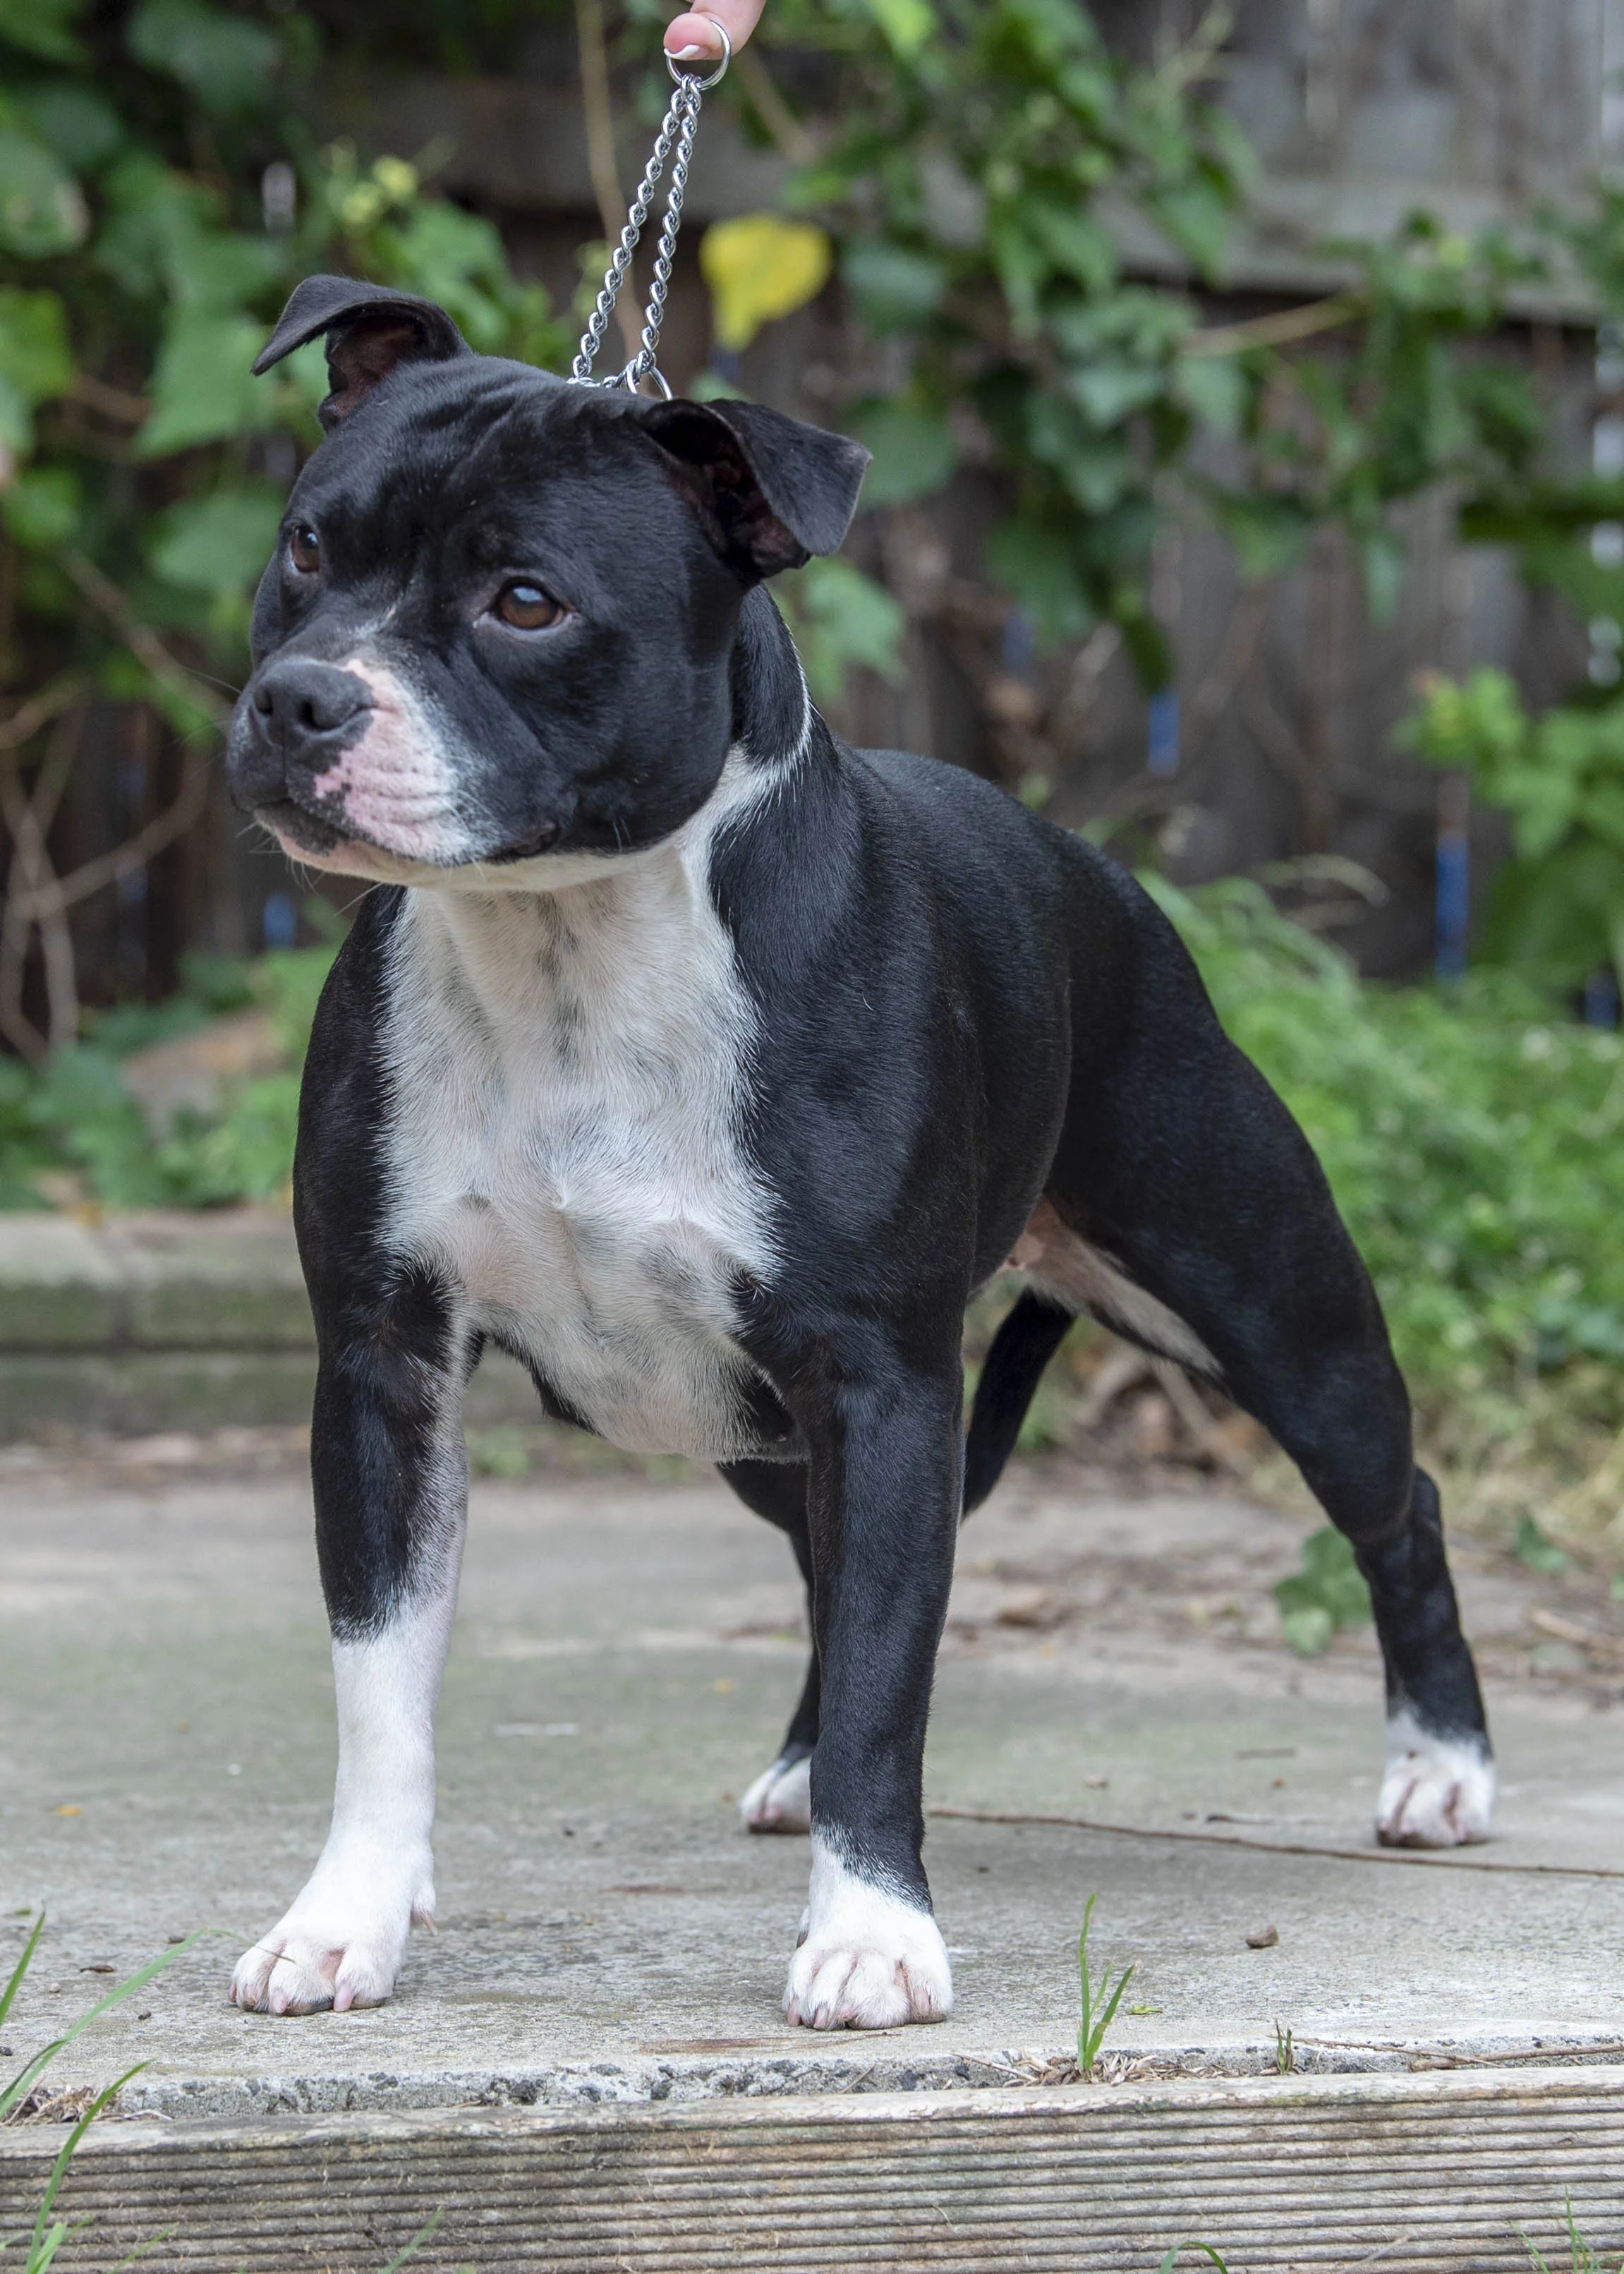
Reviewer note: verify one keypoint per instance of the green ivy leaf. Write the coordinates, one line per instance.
(906, 24)
(1213, 388)
(1555, 915)
(203, 388)
(1381, 565)
(42, 209)
(840, 618)
(1038, 570)
(914, 453)
(894, 289)
(1108, 392)
(35, 358)
(16, 426)
(77, 125)
(1269, 531)
(228, 64)
(1326, 1593)
(42, 29)
(41, 507)
(217, 545)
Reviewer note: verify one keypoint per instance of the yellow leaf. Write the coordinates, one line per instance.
(68, 1808)
(760, 268)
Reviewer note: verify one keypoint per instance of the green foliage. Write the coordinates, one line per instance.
(1326, 1594)
(137, 280)
(75, 1115)
(972, 189)
(1581, 2259)
(1097, 2005)
(1558, 908)
(1470, 1138)
(963, 191)
(1530, 1545)
(839, 618)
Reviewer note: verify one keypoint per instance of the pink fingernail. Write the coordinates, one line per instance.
(692, 54)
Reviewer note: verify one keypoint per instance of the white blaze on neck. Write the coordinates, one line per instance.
(569, 1075)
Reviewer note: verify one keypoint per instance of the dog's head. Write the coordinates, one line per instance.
(499, 622)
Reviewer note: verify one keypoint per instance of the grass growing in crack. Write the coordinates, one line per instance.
(1285, 2052)
(1171, 2258)
(1582, 2258)
(44, 2239)
(1097, 2014)
(42, 2243)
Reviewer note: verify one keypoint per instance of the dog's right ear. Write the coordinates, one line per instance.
(370, 329)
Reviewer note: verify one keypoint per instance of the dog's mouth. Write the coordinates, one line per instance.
(299, 830)
(308, 835)
(305, 836)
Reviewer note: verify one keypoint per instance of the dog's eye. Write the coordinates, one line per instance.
(305, 549)
(527, 609)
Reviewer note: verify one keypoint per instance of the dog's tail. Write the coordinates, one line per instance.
(1021, 1349)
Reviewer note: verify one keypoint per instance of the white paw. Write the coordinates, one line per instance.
(867, 1959)
(342, 1943)
(1437, 1792)
(780, 1799)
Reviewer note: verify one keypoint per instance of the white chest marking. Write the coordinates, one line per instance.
(569, 1072)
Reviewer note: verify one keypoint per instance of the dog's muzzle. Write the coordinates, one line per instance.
(300, 716)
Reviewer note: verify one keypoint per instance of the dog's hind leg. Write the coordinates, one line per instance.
(1028, 1336)
(1184, 1189)
(780, 1799)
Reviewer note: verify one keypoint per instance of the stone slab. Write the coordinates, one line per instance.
(167, 1320)
(626, 1655)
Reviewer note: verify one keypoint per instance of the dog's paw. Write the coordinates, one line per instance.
(1437, 1792)
(780, 1799)
(342, 1944)
(867, 1959)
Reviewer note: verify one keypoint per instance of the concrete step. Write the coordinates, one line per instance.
(1418, 2173)
(140, 1323)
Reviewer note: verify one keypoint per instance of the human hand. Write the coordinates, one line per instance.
(693, 38)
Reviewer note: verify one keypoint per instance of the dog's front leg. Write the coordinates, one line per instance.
(883, 1506)
(391, 1481)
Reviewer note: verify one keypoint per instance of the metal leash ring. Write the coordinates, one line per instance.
(676, 142)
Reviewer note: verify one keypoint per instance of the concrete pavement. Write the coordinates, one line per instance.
(626, 1655)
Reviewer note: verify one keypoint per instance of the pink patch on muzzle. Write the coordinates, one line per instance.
(392, 786)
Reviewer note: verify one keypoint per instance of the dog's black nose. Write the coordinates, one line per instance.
(309, 709)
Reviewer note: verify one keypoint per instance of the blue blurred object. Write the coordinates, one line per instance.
(1601, 999)
(280, 920)
(1019, 643)
(1454, 906)
(1161, 751)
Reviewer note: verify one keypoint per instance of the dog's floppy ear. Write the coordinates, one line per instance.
(771, 491)
(370, 329)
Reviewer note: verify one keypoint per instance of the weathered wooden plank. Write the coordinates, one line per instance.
(1431, 2172)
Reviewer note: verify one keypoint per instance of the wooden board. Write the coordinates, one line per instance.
(1404, 2172)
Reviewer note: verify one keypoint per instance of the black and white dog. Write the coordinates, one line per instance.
(709, 1066)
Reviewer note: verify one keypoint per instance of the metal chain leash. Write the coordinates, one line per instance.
(676, 142)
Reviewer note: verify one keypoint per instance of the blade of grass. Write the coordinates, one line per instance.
(417, 2242)
(16, 1982)
(23, 2083)
(1092, 2028)
(142, 2249)
(1178, 2249)
(49, 2235)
